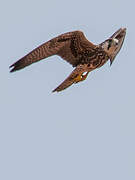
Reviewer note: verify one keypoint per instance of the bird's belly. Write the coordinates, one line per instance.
(102, 63)
(96, 63)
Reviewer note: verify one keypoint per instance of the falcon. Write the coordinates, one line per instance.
(78, 51)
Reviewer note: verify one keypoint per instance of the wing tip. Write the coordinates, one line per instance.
(20, 64)
(55, 90)
(58, 89)
(12, 68)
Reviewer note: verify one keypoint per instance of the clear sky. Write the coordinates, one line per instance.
(85, 132)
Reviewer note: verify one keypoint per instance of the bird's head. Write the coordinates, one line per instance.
(113, 45)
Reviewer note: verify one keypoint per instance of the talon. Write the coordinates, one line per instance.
(84, 76)
(80, 77)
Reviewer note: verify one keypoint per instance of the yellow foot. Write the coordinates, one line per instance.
(80, 77)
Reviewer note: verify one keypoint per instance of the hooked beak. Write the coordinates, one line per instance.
(120, 36)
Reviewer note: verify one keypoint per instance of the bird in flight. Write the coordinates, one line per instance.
(78, 51)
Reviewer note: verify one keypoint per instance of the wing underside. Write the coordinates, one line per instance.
(73, 77)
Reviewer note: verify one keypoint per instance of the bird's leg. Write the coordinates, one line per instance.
(81, 77)
(84, 75)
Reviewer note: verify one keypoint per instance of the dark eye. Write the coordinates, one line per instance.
(110, 41)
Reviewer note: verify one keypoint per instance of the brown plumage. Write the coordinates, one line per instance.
(78, 51)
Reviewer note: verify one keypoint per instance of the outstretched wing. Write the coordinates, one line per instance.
(68, 46)
(71, 79)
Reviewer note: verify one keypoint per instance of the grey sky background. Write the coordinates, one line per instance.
(85, 132)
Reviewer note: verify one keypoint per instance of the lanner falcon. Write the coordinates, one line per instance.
(78, 51)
